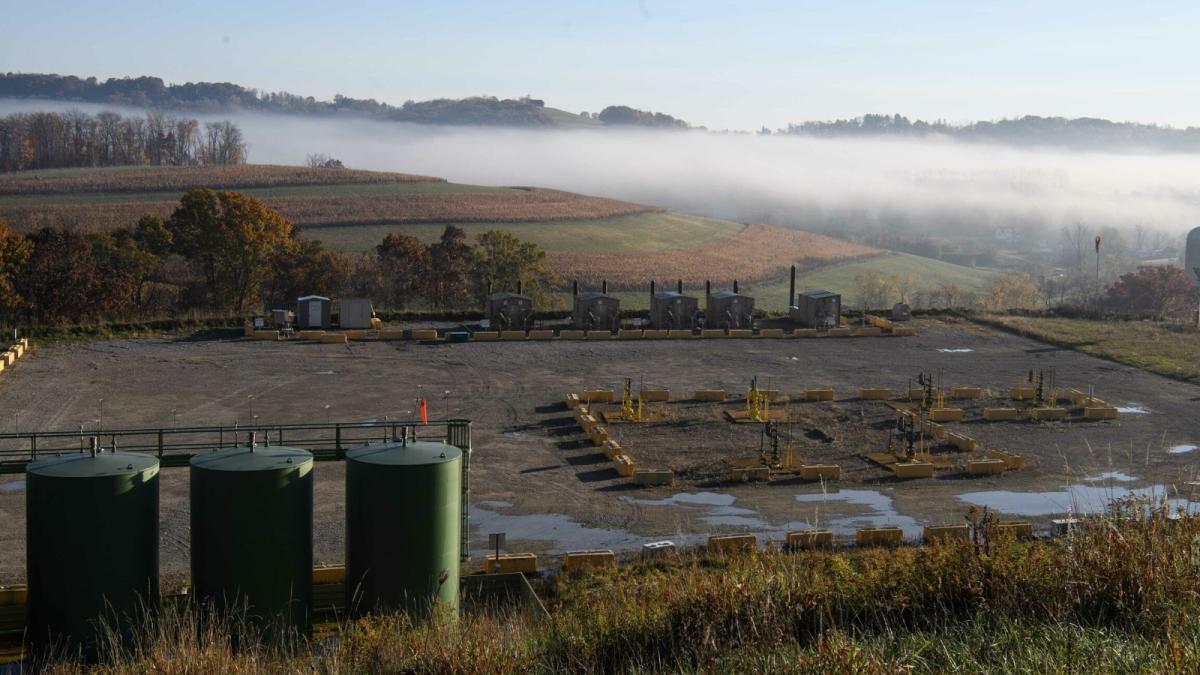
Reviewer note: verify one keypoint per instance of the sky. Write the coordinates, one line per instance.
(735, 65)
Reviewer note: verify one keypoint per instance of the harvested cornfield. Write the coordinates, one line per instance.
(322, 206)
(180, 178)
(757, 252)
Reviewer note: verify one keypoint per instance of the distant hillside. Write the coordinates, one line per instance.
(210, 97)
(1031, 130)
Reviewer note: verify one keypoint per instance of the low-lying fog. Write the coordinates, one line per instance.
(930, 183)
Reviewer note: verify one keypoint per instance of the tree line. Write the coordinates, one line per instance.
(52, 140)
(226, 253)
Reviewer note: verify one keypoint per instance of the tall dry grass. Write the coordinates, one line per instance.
(1119, 595)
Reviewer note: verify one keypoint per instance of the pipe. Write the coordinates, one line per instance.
(604, 286)
(574, 288)
(652, 289)
(735, 286)
(792, 289)
(519, 285)
(707, 289)
(679, 287)
(489, 287)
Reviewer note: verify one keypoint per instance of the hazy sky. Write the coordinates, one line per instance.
(721, 64)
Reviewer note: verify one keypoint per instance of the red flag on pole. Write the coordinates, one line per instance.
(424, 413)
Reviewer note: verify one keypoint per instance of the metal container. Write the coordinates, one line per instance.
(817, 309)
(252, 535)
(313, 312)
(673, 310)
(596, 311)
(729, 309)
(510, 311)
(92, 547)
(403, 521)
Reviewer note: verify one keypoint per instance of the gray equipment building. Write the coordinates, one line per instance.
(817, 309)
(729, 309)
(510, 311)
(673, 310)
(596, 311)
(313, 312)
(354, 313)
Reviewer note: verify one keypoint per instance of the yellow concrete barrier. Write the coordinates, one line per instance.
(867, 331)
(598, 335)
(581, 411)
(1020, 529)
(654, 477)
(571, 334)
(3, 364)
(681, 334)
(588, 423)
(732, 544)
(934, 533)
(880, 321)
(10, 358)
(629, 334)
(376, 323)
(934, 430)
(750, 474)
(1043, 414)
(874, 394)
(709, 395)
(770, 333)
(1011, 461)
(656, 334)
(597, 396)
(18, 349)
(654, 395)
(624, 465)
(879, 536)
(740, 333)
(805, 333)
(525, 563)
(541, 334)
(397, 334)
(333, 339)
(916, 394)
(612, 449)
(820, 472)
(575, 561)
(329, 574)
(1075, 396)
(248, 329)
(512, 335)
(1022, 393)
(425, 334)
(712, 333)
(572, 400)
(946, 414)
(966, 392)
(598, 434)
(840, 332)
(1000, 414)
(485, 335)
(258, 335)
(902, 331)
(986, 467)
(912, 470)
(818, 395)
(962, 441)
(1105, 413)
(12, 595)
(808, 539)
(773, 395)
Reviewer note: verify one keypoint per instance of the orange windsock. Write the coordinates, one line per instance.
(424, 413)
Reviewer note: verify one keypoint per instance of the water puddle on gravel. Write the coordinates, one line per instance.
(1182, 448)
(12, 487)
(714, 508)
(963, 350)
(1079, 499)
(562, 533)
(1118, 476)
(880, 512)
(1133, 409)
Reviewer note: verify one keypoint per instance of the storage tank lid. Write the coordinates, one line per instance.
(258, 458)
(85, 465)
(414, 453)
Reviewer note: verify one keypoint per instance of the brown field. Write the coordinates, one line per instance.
(164, 178)
(757, 252)
(347, 208)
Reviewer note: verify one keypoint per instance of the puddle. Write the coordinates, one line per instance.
(1119, 476)
(495, 504)
(718, 509)
(1081, 499)
(12, 486)
(880, 512)
(1180, 449)
(325, 372)
(1133, 409)
(560, 531)
(955, 351)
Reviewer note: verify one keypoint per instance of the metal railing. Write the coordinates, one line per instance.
(174, 446)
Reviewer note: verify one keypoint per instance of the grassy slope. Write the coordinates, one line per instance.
(640, 232)
(1118, 597)
(1168, 349)
(772, 295)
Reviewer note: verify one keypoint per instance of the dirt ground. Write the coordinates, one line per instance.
(536, 479)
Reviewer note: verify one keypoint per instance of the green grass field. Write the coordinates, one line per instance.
(621, 234)
(1168, 349)
(771, 295)
(311, 191)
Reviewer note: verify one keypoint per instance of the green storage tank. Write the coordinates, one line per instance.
(92, 547)
(403, 519)
(252, 535)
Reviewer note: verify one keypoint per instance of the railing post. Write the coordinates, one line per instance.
(160, 443)
(337, 440)
(33, 446)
